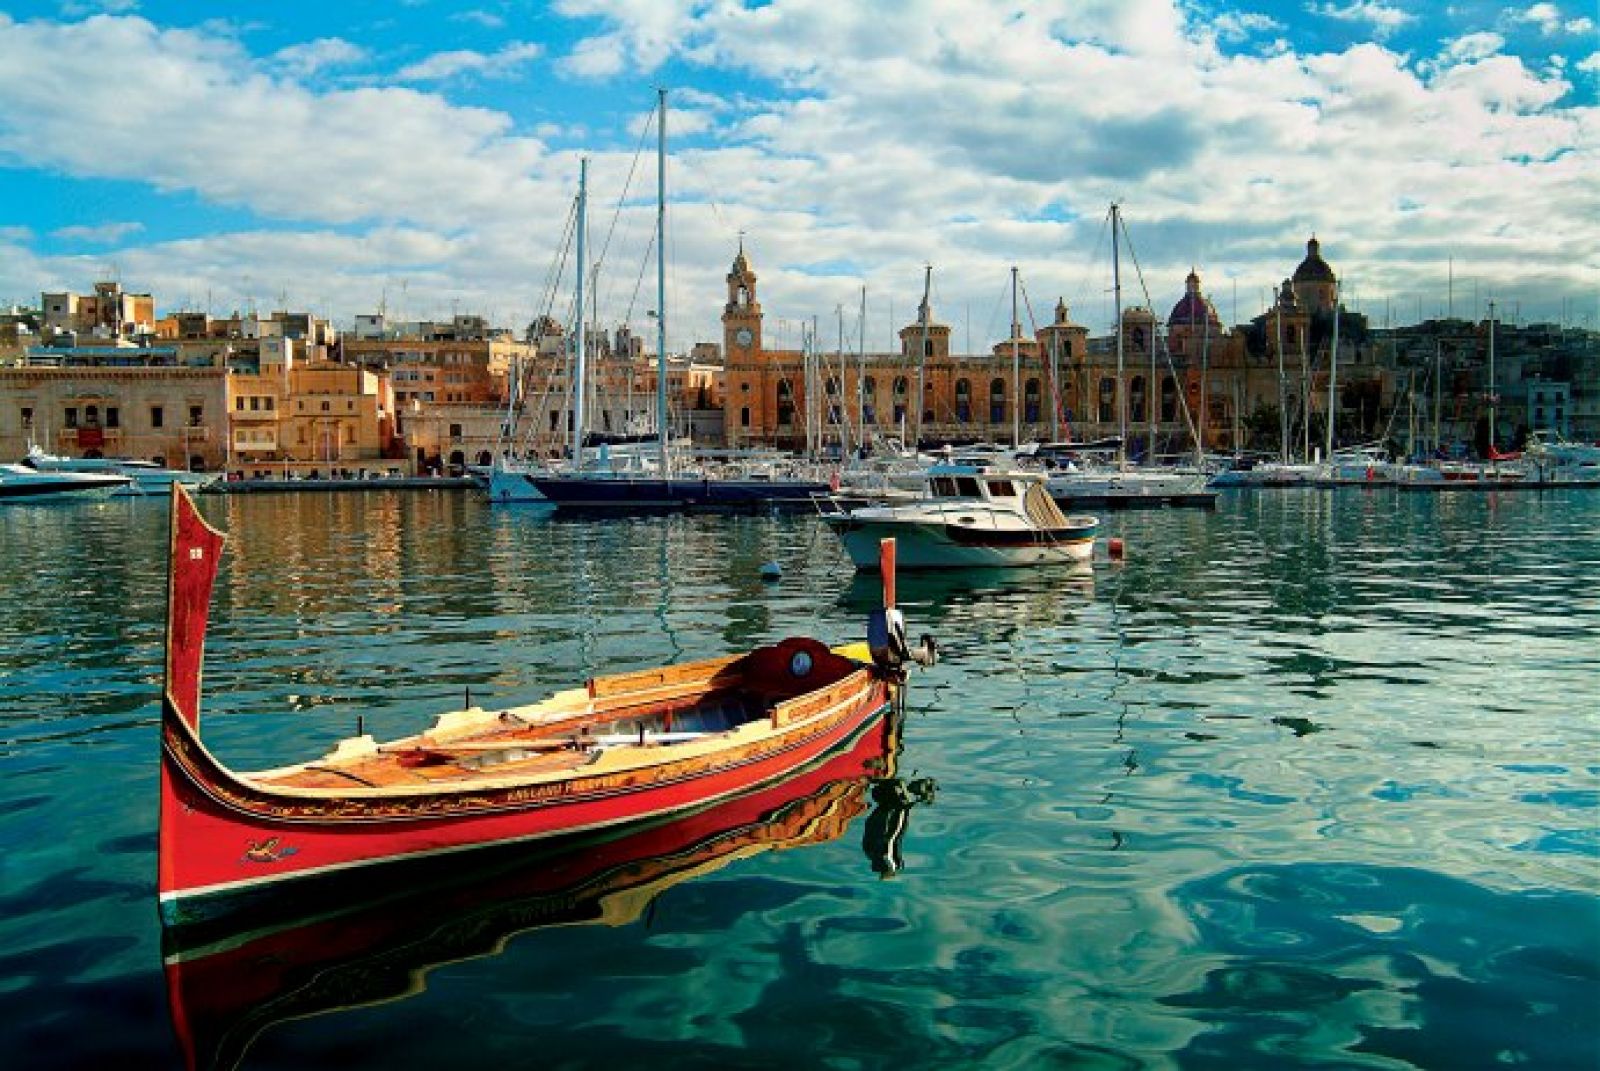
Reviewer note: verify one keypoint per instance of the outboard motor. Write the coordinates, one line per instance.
(886, 628)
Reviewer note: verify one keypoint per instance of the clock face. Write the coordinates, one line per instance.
(743, 336)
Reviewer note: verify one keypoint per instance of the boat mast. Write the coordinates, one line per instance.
(1055, 386)
(1202, 417)
(922, 355)
(580, 393)
(1016, 366)
(1439, 346)
(842, 423)
(1491, 378)
(1283, 401)
(661, 282)
(1305, 396)
(1116, 290)
(861, 374)
(1333, 370)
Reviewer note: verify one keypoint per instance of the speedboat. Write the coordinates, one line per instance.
(141, 477)
(968, 516)
(20, 483)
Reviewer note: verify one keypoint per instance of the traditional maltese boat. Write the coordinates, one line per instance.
(633, 747)
(307, 956)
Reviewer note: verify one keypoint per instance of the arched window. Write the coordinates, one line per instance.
(744, 417)
(963, 400)
(1136, 399)
(484, 457)
(1108, 400)
(785, 403)
(997, 401)
(1031, 401)
(835, 414)
(1169, 400)
(902, 387)
(869, 400)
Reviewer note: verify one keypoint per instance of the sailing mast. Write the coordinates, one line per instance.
(1016, 366)
(1116, 289)
(1283, 401)
(661, 282)
(580, 391)
(861, 374)
(1492, 449)
(922, 355)
(1333, 370)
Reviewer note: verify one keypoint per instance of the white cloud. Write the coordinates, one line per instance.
(1591, 63)
(102, 233)
(1472, 47)
(1549, 20)
(486, 19)
(444, 65)
(1384, 18)
(307, 59)
(1236, 26)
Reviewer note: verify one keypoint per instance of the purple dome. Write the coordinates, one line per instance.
(1192, 308)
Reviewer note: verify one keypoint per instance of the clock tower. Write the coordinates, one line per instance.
(741, 317)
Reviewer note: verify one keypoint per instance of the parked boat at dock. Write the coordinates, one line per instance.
(143, 478)
(641, 745)
(21, 483)
(969, 516)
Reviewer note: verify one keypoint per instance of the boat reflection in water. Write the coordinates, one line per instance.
(303, 955)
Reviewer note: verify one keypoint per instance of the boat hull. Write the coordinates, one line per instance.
(223, 839)
(73, 489)
(630, 493)
(939, 545)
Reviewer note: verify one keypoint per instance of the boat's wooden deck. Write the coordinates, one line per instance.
(509, 749)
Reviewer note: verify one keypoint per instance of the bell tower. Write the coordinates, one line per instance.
(741, 316)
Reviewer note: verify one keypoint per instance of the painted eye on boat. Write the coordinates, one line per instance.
(800, 664)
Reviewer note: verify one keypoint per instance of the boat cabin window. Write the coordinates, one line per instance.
(1001, 488)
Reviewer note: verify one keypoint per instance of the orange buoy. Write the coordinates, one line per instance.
(1114, 548)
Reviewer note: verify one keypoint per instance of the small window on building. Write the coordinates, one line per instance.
(266, 403)
(91, 415)
(455, 430)
(350, 406)
(301, 406)
(72, 416)
(744, 417)
(255, 405)
(113, 417)
(196, 415)
(238, 404)
(156, 416)
(27, 416)
(325, 407)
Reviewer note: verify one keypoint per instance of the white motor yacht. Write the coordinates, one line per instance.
(19, 483)
(969, 516)
(138, 477)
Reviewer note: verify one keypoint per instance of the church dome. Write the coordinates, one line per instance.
(1192, 308)
(1313, 269)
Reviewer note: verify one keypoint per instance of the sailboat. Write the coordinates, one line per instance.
(609, 489)
(1117, 484)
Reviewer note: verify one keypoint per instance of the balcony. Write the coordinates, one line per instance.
(89, 437)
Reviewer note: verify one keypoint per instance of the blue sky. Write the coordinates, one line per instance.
(423, 155)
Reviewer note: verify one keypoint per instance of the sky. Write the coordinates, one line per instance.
(421, 158)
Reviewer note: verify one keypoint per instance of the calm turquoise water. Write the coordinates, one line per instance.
(1312, 780)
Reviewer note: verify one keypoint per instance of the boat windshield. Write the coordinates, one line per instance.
(955, 487)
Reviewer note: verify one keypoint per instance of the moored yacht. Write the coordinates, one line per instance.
(20, 483)
(969, 516)
(137, 477)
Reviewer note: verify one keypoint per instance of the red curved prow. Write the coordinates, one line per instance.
(886, 568)
(195, 551)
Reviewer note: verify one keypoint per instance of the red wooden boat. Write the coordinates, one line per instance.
(229, 983)
(627, 748)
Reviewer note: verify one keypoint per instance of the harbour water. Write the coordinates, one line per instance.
(1313, 779)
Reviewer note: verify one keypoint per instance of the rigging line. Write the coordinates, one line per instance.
(627, 184)
(1160, 337)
